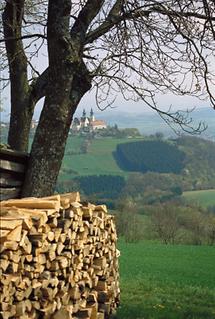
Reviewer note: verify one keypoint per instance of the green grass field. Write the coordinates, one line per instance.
(166, 282)
(98, 160)
(204, 198)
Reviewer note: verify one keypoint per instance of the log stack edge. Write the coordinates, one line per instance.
(58, 259)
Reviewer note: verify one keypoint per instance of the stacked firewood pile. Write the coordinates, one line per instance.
(58, 259)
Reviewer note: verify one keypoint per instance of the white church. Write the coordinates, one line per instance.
(88, 123)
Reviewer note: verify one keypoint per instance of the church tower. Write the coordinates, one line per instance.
(84, 119)
(84, 114)
(92, 117)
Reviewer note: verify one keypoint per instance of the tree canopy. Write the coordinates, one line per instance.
(135, 48)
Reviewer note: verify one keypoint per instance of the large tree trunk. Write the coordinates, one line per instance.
(20, 123)
(48, 149)
(22, 105)
(68, 80)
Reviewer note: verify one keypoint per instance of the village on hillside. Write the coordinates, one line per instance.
(87, 124)
(79, 124)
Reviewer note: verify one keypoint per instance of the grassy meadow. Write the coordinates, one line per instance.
(166, 282)
(203, 198)
(99, 159)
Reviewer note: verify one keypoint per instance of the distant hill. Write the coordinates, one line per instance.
(150, 122)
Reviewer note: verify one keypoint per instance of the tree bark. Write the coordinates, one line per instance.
(20, 123)
(48, 149)
(22, 105)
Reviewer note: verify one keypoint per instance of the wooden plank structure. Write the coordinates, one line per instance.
(12, 172)
(58, 259)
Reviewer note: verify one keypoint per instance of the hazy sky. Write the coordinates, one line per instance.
(164, 102)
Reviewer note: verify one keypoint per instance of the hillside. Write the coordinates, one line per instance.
(200, 161)
(88, 162)
(205, 198)
(98, 159)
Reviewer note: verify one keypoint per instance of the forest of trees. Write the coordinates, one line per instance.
(155, 156)
(106, 186)
(170, 223)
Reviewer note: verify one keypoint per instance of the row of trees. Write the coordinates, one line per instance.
(135, 48)
(151, 188)
(114, 131)
(169, 223)
(175, 224)
(104, 186)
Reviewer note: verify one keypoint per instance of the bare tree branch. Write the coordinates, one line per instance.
(116, 16)
(27, 36)
(85, 17)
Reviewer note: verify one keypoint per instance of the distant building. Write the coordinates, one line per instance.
(87, 123)
(98, 125)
